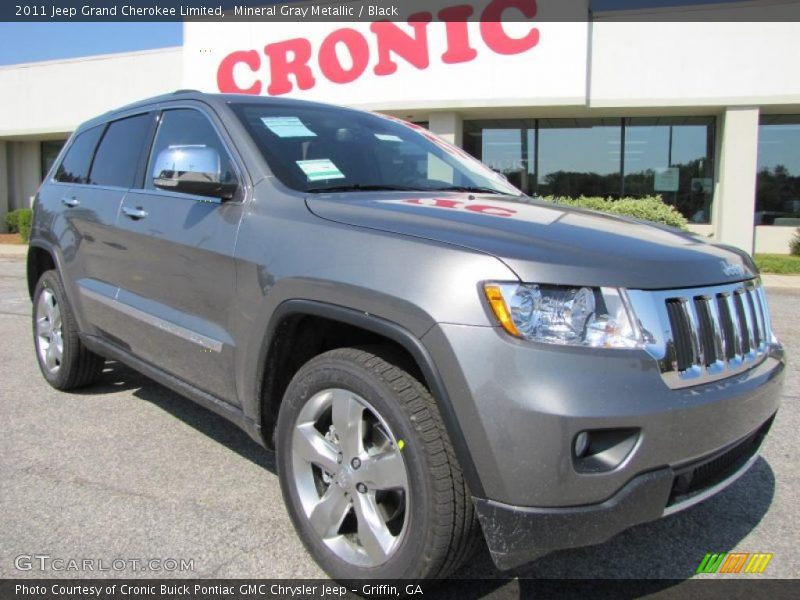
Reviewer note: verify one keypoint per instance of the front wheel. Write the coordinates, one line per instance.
(368, 472)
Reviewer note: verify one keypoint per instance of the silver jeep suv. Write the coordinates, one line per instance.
(435, 358)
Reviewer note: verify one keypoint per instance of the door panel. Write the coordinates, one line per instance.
(102, 164)
(176, 277)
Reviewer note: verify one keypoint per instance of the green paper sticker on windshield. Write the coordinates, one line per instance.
(322, 168)
(287, 127)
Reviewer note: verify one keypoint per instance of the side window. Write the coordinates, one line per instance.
(187, 127)
(75, 166)
(120, 150)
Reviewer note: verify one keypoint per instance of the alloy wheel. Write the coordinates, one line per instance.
(350, 477)
(49, 331)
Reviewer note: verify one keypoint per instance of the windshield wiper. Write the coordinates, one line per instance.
(470, 189)
(358, 187)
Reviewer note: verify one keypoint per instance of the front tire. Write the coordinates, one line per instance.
(368, 473)
(64, 361)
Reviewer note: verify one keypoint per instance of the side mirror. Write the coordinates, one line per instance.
(192, 169)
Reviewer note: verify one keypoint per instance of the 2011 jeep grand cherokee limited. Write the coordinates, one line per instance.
(431, 354)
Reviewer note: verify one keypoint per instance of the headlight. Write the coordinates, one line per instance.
(578, 316)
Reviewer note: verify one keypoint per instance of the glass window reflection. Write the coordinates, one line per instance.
(778, 179)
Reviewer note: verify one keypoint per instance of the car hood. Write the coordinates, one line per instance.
(546, 243)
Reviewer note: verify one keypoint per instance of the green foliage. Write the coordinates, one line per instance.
(651, 208)
(794, 245)
(25, 220)
(12, 221)
(19, 221)
(782, 264)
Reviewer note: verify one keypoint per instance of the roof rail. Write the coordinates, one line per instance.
(185, 91)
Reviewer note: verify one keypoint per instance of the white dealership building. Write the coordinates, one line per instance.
(704, 113)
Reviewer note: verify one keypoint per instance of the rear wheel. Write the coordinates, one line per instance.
(63, 360)
(368, 473)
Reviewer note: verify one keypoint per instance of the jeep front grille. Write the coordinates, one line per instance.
(705, 334)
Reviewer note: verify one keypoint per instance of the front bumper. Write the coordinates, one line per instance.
(516, 535)
(522, 405)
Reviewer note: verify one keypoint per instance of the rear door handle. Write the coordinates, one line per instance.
(134, 213)
(70, 202)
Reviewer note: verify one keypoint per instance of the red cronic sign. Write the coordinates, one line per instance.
(296, 62)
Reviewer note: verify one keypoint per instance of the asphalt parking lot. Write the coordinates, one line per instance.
(128, 469)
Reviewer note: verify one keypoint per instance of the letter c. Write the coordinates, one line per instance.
(492, 27)
(225, 81)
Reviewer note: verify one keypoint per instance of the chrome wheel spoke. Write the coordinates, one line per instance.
(327, 515)
(50, 356)
(42, 328)
(58, 343)
(309, 444)
(49, 304)
(385, 471)
(55, 317)
(348, 419)
(373, 533)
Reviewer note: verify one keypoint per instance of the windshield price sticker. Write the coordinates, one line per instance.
(319, 169)
(287, 127)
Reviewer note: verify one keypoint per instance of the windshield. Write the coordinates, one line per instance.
(318, 149)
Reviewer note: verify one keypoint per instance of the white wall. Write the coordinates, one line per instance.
(56, 96)
(693, 64)
(3, 183)
(773, 240)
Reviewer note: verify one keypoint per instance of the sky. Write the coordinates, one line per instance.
(29, 42)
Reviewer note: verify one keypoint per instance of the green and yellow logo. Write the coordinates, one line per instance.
(734, 562)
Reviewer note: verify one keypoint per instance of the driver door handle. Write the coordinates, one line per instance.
(70, 201)
(134, 213)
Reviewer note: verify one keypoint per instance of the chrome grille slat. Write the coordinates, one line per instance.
(698, 356)
(765, 314)
(716, 328)
(737, 329)
(745, 321)
(706, 334)
(758, 319)
(728, 331)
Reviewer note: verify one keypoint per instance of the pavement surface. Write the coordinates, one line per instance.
(128, 469)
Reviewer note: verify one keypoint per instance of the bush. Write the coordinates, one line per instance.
(25, 220)
(19, 221)
(651, 208)
(12, 221)
(794, 245)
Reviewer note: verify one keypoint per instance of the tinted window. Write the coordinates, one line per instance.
(75, 166)
(119, 152)
(187, 127)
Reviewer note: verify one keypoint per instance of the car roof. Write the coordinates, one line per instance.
(214, 100)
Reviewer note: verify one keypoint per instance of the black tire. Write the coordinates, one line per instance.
(442, 528)
(77, 367)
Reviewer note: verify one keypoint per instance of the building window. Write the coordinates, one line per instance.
(672, 157)
(50, 150)
(611, 157)
(579, 157)
(778, 180)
